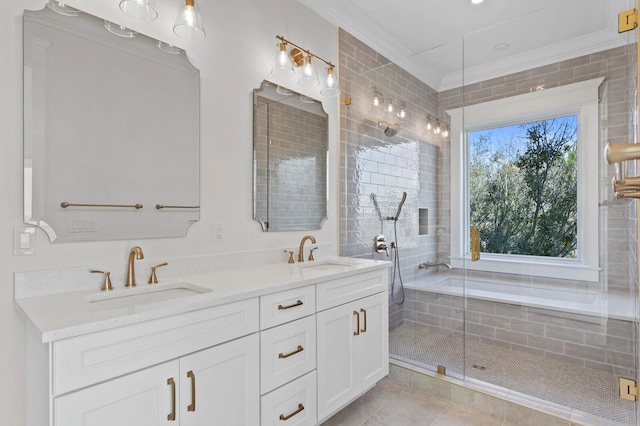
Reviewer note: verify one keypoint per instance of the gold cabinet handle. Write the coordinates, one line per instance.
(364, 330)
(298, 303)
(172, 415)
(357, 332)
(192, 406)
(287, 417)
(299, 349)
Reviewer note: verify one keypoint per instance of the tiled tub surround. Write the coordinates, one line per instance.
(588, 332)
(540, 340)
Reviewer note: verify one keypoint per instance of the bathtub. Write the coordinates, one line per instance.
(584, 301)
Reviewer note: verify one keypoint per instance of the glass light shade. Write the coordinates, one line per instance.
(119, 30)
(429, 124)
(330, 87)
(445, 132)
(140, 9)
(309, 76)
(189, 22)
(282, 67)
(62, 9)
(376, 101)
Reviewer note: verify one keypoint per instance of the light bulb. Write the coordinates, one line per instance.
(402, 113)
(282, 66)
(189, 23)
(331, 87)
(437, 130)
(445, 133)
(429, 124)
(376, 101)
(390, 107)
(309, 75)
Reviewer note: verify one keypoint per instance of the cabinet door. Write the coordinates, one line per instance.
(221, 385)
(336, 348)
(372, 350)
(353, 351)
(144, 398)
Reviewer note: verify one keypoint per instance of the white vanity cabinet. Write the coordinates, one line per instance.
(218, 383)
(152, 372)
(353, 339)
(288, 357)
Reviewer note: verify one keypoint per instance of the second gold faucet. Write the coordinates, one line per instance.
(301, 249)
(136, 252)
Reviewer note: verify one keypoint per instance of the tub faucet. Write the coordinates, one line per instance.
(135, 252)
(427, 265)
(301, 249)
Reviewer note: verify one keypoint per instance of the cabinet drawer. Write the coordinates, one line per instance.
(287, 352)
(337, 292)
(296, 399)
(89, 359)
(285, 306)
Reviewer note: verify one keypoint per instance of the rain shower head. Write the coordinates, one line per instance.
(389, 129)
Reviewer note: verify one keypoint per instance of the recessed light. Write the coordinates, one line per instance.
(476, 1)
(500, 47)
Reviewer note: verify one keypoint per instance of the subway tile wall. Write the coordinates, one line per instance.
(376, 168)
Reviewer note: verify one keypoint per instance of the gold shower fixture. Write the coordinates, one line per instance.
(298, 57)
(618, 154)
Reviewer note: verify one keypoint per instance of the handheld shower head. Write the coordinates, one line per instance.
(404, 198)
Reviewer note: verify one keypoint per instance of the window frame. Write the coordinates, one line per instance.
(579, 99)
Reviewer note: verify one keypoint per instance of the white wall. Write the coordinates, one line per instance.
(234, 58)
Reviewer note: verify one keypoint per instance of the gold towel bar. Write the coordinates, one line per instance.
(162, 206)
(64, 205)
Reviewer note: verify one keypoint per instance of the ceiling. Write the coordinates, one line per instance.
(432, 39)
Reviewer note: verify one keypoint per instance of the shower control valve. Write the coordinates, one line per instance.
(381, 244)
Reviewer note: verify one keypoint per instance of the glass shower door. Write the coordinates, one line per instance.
(551, 303)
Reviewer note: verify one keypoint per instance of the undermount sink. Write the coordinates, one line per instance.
(144, 294)
(328, 264)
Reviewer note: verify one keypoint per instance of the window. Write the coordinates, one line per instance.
(522, 171)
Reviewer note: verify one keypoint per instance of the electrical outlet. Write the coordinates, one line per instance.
(218, 233)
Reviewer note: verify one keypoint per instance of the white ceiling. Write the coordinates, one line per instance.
(432, 39)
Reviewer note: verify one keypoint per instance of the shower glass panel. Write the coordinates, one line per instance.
(549, 318)
(546, 313)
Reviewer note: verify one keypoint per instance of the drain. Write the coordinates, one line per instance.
(479, 367)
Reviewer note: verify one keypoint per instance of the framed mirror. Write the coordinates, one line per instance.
(290, 146)
(111, 131)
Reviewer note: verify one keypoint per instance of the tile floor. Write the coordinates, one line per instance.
(393, 404)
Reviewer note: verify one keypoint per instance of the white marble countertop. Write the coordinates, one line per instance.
(67, 314)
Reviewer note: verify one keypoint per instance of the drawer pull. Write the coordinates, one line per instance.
(364, 329)
(357, 332)
(192, 406)
(282, 308)
(300, 349)
(172, 415)
(300, 408)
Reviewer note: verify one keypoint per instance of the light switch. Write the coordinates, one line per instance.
(24, 240)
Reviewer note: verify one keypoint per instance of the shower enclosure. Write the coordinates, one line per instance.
(537, 335)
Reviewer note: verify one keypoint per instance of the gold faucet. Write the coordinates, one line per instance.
(301, 250)
(135, 252)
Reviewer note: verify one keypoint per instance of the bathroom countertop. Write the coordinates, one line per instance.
(69, 314)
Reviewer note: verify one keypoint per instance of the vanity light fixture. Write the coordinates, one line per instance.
(299, 57)
(437, 127)
(139, 9)
(189, 22)
(62, 9)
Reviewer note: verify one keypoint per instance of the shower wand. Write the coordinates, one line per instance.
(395, 218)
